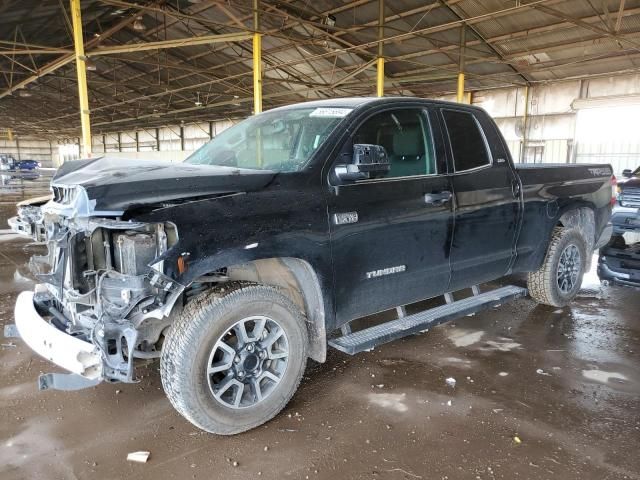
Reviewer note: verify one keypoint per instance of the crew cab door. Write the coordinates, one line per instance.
(487, 199)
(390, 236)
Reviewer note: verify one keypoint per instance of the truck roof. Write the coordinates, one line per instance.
(353, 102)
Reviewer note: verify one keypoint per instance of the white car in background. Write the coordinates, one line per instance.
(29, 221)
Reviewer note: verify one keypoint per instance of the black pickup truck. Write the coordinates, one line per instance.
(260, 249)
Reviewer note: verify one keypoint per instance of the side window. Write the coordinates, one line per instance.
(406, 137)
(467, 143)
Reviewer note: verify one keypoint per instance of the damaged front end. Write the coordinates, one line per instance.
(103, 287)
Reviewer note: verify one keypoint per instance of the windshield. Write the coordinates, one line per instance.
(282, 140)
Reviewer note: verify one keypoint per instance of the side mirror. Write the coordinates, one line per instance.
(626, 173)
(368, 161)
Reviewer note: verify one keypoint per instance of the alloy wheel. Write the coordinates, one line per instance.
(248, 362)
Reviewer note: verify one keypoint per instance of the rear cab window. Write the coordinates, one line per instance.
(467, 141)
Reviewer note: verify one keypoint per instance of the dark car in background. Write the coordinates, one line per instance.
(619, 260)
(626, 215)
(27, 165)
(9, 163)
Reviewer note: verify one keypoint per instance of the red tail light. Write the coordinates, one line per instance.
(614, 193)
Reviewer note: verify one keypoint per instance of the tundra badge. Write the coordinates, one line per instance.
(386, 271)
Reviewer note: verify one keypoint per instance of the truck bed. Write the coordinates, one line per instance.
(562, 171)
(548, 190)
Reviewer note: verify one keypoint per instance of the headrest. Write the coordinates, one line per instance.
(408, 142)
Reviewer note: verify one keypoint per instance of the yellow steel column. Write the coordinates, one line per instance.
(257, 60)
(380, 78)
(460, 95)
(525, 126)
(81, 68)
(460, 92)
(380, 61)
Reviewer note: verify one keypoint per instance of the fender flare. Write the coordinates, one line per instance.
(301, 284)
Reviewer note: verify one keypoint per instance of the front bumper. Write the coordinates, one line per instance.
(70, 353)
(620, 264)
(624, 277)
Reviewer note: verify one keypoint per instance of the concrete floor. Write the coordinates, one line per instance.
(565, 382)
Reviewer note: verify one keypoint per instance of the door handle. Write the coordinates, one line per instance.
(437, 198)
(515, 188)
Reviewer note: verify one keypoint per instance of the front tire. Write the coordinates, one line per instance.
(232, 361)
(558, 280)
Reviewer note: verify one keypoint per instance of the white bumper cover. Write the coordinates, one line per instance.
(68, 352)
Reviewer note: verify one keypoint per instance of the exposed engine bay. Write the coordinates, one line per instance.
(105, 284)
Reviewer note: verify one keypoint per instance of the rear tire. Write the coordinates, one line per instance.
(558, 280)
(221, 367)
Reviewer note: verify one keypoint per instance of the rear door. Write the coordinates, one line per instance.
(390, 243)
(487, 199)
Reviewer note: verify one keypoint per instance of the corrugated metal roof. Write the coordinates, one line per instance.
(317, 49)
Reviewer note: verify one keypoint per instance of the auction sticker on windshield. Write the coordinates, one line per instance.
(331, 112)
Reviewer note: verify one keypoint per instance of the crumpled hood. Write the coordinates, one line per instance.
(116, 184)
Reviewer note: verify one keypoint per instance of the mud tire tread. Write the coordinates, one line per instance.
(542, 283)
(178, 351)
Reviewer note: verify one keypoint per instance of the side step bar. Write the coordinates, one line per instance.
(371, 337)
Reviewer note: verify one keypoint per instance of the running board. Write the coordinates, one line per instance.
(371, 337)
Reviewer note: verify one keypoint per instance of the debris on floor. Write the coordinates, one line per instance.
(139, 457)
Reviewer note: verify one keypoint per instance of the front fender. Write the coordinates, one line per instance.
(216, 232)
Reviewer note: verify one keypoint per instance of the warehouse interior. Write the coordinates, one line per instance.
(537, 393)
(542, 69)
